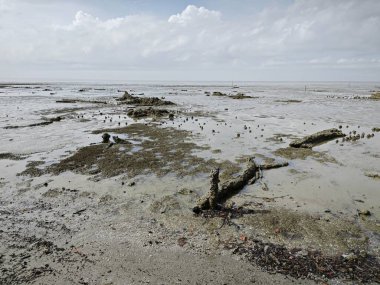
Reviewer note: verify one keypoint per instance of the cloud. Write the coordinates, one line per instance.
(193, 14)
(320, 33)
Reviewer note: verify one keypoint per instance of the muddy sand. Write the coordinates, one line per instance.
(106, 193)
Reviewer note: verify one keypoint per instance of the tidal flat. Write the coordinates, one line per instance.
(98, 183)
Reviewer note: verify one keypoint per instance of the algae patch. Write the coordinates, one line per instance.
(154, 150)
(375, 96)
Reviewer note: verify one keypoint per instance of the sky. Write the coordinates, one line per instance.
(199, 40)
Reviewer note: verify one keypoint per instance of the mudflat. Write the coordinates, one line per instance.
(102, 189)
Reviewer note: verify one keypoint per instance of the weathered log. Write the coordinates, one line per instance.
(218, 195)
(227, 189)
(317, 138)
(232, 186)
(209, 201)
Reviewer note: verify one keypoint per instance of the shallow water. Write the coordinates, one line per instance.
(306, 184)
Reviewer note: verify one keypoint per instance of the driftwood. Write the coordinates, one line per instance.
(217, 195)
(317, 138)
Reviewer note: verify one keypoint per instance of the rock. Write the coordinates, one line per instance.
(364, 213)
(317, 138)
(149, 112)
(375, 96)
(240, 96)
(143, 101)
(56, 119)
(106, 138)
(217, 93)
(182, 241)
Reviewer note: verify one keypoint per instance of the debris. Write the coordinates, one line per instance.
(243, 237)
(182, 241)
(79, 211)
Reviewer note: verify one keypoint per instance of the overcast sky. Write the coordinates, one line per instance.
(240, 40)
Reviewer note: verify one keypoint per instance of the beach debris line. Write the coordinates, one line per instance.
(317, 138)
(311, 264)
(218, 195)
(142, 101)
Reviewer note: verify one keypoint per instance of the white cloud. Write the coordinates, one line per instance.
(193, 14)
(306, 33)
